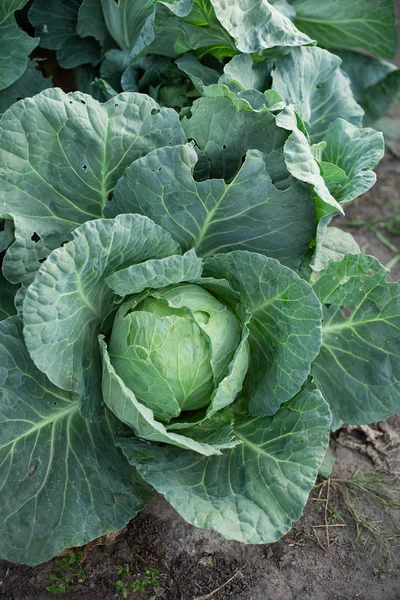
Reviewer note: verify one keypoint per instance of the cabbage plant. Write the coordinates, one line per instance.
(177, 315)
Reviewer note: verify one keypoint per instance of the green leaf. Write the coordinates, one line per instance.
(310, 80)
(124, 404)
(68, 300)
(230, 387)
(224, 127)
(61, 156)
(356, 151)
(156, 274)
(335, 178)
(6, 233)
(241, 73)
(358, 367)
(130, 22)
(62, 480)
(85, 81)
(254, 492)
(200, 30)
(113, 67)
(285, 326)
(56, 21)
(333, 248)
(199, 74)
(256, 25)
(302, 164)
(364, 24)
(7, 294)
(90, 21)
(30, 83)
(284, 7)
(15, 44)
(250, 213)
(374, 82)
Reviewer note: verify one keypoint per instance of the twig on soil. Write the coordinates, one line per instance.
(218, 589)
(326, 525)
(328, 493)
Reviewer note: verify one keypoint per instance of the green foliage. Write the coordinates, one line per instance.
(67, 574)
(175, 312)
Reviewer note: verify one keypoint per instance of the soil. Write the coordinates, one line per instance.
(324, 557)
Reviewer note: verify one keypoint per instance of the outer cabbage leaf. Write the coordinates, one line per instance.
(68, 300)
(7, 294)
(199, 74)
(358, 367)
(374, 82)
(356, 151)
(91, 23)
(256, 25)
(311, 81)
(6, 233)
(30, 83)
(249, 213)
(285, 326)
(224, 127)
(335, 245)
(62, 480)
(365, 24)
(302, 165)
(200, 31)
(61, 156)
(131, 22)
(156, 273)
(241, 73)
(255, 491)
(15, 44)
(55, 22)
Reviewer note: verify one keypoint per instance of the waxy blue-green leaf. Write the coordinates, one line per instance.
(285, 326)
(333, 248)
(62, 480)
(55, 22)
(365, 24)
(200, 30)
(30, 83)
(255, 491)
(6, 233)
(61, 156)
(250, 213)
(156, 273)
(374, 82)
(358, 368)
(302, 164)
(256, 25)
(131, 22)
(199, 74)
(90, 21)
(124, 404)
(310, 80)
(225, 126)
(356, 151)
(68, 300)
(15, 44)
(7, 294)
(241, 73)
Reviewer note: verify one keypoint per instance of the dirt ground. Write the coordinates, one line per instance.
(160, 557)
